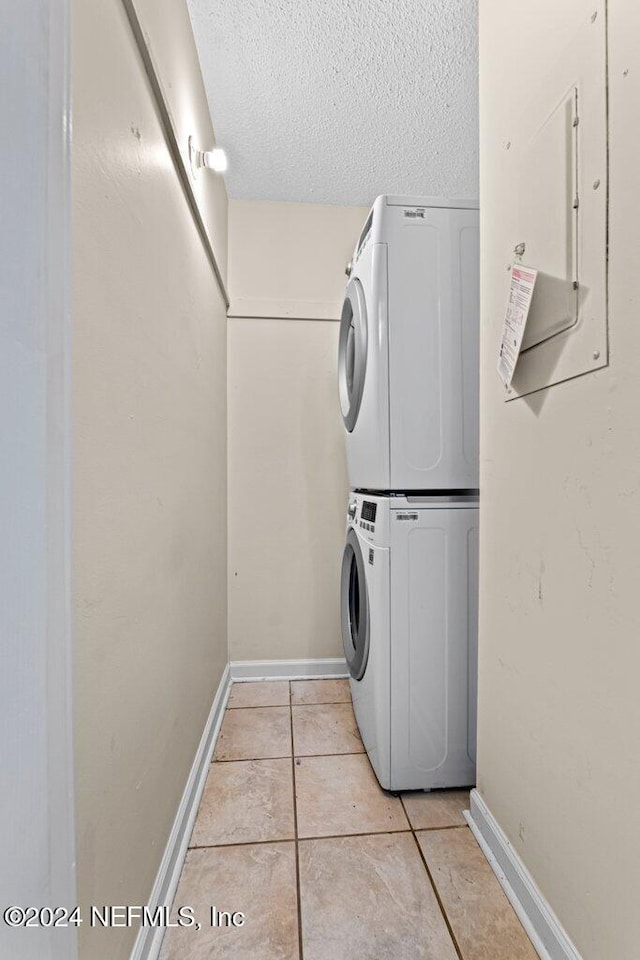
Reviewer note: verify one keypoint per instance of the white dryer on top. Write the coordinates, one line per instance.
(408, 352)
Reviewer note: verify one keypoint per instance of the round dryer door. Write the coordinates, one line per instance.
(352, 352)
(354, 603)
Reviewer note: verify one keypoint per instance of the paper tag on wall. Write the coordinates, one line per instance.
(523, 280)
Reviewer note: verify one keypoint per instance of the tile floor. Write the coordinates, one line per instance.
(294, 832)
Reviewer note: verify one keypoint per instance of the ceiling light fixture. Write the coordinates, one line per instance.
(215, 159)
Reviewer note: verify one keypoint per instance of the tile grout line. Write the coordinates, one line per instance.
(243, 843)
(448, 826)
(295, 827)
(302, 756)
(268, 706)
(319, 703)
(326, 836)
(320, 836)
(261, 706)
(454, 940)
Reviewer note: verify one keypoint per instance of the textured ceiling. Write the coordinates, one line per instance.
(334, 101)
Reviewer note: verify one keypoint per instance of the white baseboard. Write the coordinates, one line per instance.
(149, 940)
(326, 669)
(543, 927)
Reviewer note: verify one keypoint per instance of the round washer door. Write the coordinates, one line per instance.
(354, 605)
(352, 352)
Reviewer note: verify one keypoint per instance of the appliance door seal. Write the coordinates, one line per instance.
(352, 352)
(354, 607)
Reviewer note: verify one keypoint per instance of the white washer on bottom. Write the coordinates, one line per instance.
(409, 626)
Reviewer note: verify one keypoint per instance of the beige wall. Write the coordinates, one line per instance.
(559, 760)
(171, 48)
(287, 471)
(288, 259)
(149, 476)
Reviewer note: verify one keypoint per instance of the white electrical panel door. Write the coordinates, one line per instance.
(556, 182)
(548, 217)
(434, 563)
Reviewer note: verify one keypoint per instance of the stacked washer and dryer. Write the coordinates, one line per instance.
(408, 383)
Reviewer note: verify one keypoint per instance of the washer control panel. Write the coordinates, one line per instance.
(367, 518)
(368, 513)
